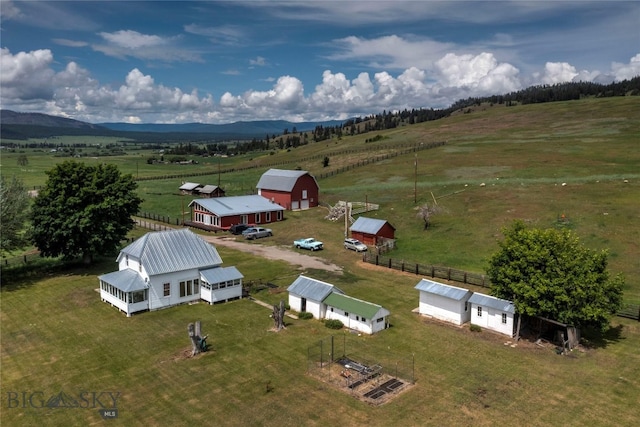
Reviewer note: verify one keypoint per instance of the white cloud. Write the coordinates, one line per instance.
(26, 75)
(390, 51)
(30, 83)
(259, 61)
(557, 72)
(129, 43)
(9, 11)
(481, 72)
(626, 71)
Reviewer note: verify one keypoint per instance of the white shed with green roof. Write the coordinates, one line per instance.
(356, 314)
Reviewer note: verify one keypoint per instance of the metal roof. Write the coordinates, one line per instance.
(492, 302)
(174, 250)
(280, 179)
(443, 290)
(312, 289)
(237, 205)
(353, 305)
(126, 280)
(368, 225)
(188, 186)
(207, 189)
(220, 274)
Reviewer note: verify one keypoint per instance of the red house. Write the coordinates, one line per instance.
(371, 231)
(220, 213)
(291, 189)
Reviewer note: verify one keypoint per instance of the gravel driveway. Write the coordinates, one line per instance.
(275, 252)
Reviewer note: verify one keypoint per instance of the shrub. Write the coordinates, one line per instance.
(305, 315)
(333, 324)
(475, 328)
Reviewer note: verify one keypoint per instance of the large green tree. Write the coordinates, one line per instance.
(549, 273)
(14, 209)
(83, 210)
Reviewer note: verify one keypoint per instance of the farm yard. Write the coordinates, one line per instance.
(568, 165)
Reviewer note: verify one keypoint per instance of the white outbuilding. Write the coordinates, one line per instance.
(444, 302)
(492, 313)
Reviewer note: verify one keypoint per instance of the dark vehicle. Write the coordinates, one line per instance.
(238, 228)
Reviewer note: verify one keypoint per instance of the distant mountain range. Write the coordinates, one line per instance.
(15, 125)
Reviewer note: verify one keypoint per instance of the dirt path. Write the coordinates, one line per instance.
(269, 252)
(276, 253)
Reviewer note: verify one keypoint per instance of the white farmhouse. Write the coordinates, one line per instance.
(167, 268)
(444, 302)
(492, 313)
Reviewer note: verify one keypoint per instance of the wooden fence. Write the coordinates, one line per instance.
(629, 311)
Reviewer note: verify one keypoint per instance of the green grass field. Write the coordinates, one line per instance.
(58, 336)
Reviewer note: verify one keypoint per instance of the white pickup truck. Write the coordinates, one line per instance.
(308, 243)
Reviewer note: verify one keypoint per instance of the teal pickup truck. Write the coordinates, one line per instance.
(308, 243)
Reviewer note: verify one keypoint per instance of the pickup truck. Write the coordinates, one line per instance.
(308, 243)
(252, 233)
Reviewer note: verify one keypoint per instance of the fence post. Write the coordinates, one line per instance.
(389, 263)
(449, 274)
(433, 272)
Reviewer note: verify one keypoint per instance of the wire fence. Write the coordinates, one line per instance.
(348, 363)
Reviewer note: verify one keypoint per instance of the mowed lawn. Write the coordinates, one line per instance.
(57, 336)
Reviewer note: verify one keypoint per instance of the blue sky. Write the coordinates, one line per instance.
(221, 62)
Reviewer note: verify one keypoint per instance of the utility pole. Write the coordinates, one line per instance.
(415, 180)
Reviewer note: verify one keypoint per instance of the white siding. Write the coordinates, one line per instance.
(218, 295)
(442, 308)
(157, 300)
(368, 326)
(492, 319)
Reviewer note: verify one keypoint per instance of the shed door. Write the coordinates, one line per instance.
(304, 204)
(303, 304)
(295, 205)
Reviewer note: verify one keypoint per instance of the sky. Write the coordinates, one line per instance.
(223, 62)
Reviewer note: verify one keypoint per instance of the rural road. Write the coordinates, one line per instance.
(274, 252)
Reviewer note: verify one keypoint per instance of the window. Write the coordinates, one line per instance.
(332, 309)
(362, 319)
(267, 216)
(466, 306)
(380, 320)
(257, 218)
(479, 311)
(166, 289)
(357, 318)
(280, 216)
(183, 289)
(126, 260)
(504, 318)
(346, 314)
(196, 286)
(140, 267)
(138, 296)
(304, 195)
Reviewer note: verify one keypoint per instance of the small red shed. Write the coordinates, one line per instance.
(371, 231)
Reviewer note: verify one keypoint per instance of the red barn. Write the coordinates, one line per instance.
(291, 189)
(371, 231)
